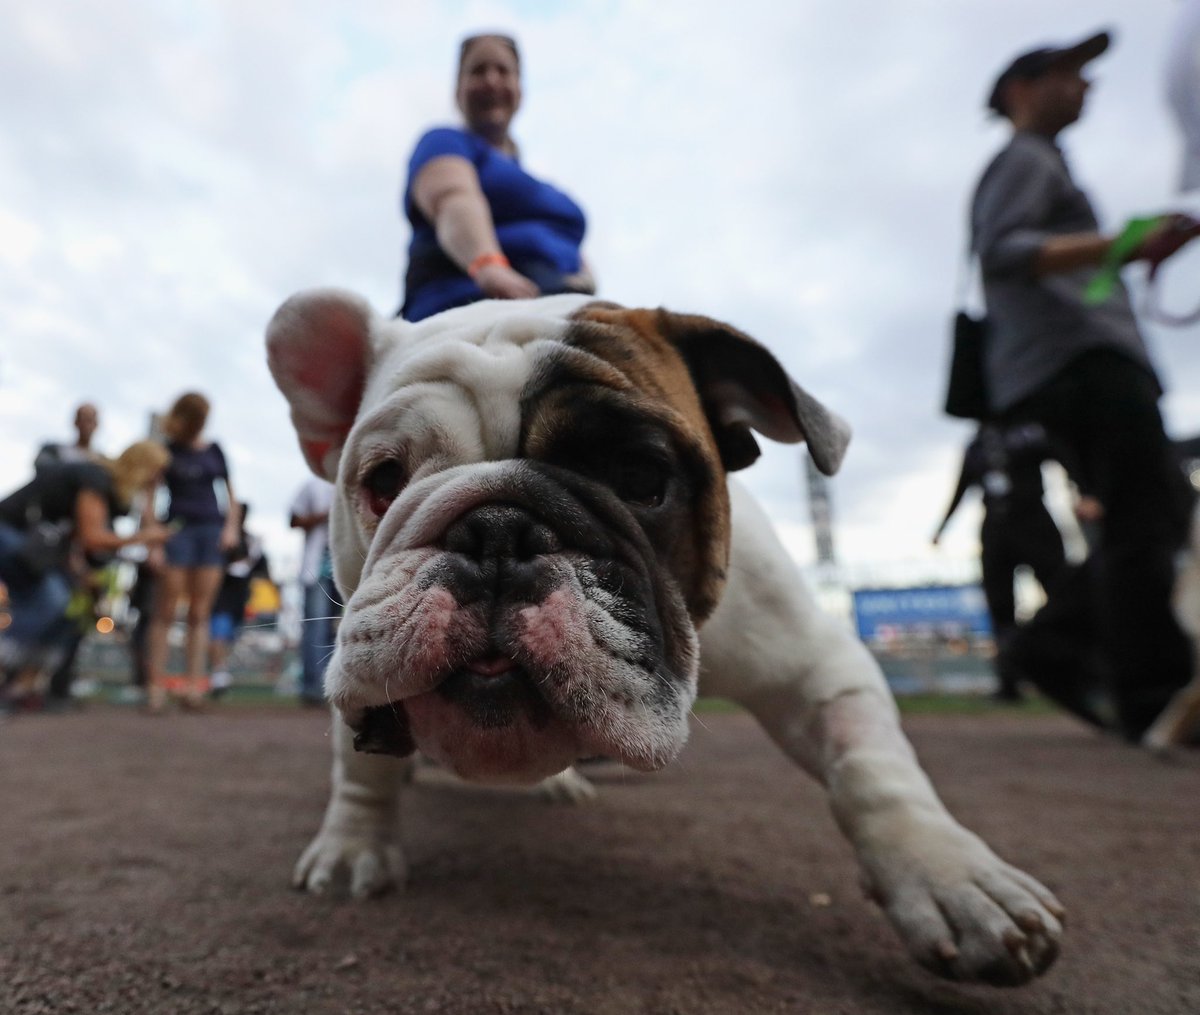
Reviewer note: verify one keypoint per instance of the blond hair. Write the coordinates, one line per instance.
(136, 466)
(186, 418)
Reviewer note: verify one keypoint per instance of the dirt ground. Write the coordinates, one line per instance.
(144, 865)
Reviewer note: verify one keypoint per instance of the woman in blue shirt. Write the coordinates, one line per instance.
(482, 227)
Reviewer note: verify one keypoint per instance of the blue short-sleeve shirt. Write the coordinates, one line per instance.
(189, 479)
(540, 228)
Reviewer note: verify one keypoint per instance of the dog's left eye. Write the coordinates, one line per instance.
(640, 482)
(383, 484)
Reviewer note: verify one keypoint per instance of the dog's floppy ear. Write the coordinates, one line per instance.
(743, 387)
(319, 351)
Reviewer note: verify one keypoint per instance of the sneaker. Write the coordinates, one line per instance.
(130, 694)
(219, 683)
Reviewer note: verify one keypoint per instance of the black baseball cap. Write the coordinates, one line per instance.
(1038, 61)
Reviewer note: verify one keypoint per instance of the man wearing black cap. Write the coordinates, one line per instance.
(1082, 371)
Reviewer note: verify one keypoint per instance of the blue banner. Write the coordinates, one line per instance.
(948, 610)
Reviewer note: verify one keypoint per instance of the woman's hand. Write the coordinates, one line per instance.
(582, 281)
(229, 538)
(1176, 231)
(152, 535)
(500, 282)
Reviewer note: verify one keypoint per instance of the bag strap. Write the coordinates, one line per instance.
(969, 268)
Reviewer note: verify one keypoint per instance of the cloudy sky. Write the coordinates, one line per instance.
(171, 170)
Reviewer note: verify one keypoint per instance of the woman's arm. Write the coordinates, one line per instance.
(92, 527)
(231, 532)
(1068, 251)
(1074, 250)
(447, 192)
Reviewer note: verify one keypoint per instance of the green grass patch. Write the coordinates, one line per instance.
(970, 704)
(259, 695)
(920, 704)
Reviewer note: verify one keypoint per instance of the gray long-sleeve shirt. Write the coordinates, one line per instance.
(1037, 325)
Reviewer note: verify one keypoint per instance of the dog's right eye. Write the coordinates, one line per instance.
(382, 485)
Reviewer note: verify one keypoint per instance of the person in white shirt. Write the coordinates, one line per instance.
(322, 606)
(1183, 89)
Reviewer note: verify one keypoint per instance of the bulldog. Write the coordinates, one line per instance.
(543, 560)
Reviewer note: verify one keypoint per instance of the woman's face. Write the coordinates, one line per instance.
(489, 87)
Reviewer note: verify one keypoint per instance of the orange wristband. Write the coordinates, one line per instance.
(483, 260)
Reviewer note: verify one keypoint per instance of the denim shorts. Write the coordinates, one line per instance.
(196, 545)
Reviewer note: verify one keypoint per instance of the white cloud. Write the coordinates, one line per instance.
(172, 171)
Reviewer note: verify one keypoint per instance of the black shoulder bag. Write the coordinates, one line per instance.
(966, 388)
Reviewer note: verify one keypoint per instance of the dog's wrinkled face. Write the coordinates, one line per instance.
(531, 517)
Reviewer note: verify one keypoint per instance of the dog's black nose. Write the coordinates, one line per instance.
(500, 532)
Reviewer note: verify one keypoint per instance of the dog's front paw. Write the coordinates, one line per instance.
(365, 863)
(568, 787)
(962, 911)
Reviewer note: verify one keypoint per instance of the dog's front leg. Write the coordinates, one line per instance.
(961, 910)
(358, 836)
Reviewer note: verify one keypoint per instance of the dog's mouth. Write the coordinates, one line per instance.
(485, 720)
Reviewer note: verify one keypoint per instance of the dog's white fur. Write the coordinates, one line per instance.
(818, 693)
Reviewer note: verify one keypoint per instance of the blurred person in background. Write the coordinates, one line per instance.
(482, 227)
(1017, 529)
(87, 422)
(1081, 369)
(141, 601)
(74, 503)
(1183, 90)
(246, 561)
(194, 556)
(322, 603)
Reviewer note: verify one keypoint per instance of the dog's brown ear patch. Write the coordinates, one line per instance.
(318, 349)
(743, 387)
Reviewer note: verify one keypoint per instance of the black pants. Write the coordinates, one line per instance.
(1020, 533)
(1103, 410)
(141, 598)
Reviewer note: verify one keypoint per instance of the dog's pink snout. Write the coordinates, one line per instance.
(491, 666)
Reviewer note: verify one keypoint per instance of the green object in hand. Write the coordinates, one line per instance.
(1124, 247)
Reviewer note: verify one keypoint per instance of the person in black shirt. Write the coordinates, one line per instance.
(1006, 464)
(76, 503)
(87, 421)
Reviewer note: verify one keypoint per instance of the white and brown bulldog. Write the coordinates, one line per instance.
(543, 560)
